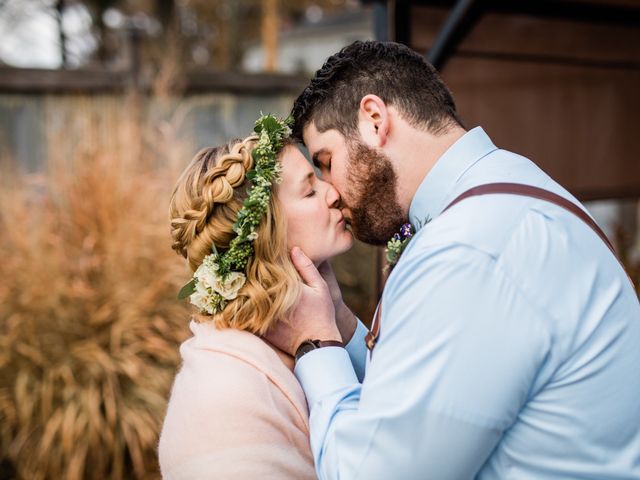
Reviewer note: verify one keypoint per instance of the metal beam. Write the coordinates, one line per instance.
(402, 21)
(381, 21)
(463, 18)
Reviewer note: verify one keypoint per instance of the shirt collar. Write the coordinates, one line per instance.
(435, 189)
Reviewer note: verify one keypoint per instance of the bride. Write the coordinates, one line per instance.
(236, 409)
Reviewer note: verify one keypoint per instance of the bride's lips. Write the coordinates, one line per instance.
(345, 223)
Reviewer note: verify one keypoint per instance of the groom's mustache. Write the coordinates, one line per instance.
(347, 212)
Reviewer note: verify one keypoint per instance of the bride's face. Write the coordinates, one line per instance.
(314, 221)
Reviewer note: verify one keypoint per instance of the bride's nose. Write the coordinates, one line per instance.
(333, 197)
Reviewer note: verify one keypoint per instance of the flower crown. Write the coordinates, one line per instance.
(221, 275)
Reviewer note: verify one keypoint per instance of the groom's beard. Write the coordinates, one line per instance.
(375, 212)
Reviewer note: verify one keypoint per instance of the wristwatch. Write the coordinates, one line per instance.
(309, 345)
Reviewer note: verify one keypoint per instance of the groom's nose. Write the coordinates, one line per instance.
(333, 197)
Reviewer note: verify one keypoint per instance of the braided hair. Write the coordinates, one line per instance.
(203, 208)
(207, 198)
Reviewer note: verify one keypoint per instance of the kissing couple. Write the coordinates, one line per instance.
(506, 343)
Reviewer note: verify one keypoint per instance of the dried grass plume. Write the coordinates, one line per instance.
(89, 321)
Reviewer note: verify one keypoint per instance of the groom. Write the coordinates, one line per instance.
(507, 341)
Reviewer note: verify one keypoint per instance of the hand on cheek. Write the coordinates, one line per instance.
(314, 315)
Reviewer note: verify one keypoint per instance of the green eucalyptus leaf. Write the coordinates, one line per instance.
(270, 123)
(187, 290)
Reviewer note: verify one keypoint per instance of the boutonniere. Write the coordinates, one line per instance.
(399, 242)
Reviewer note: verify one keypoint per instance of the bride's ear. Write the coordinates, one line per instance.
(373, 120)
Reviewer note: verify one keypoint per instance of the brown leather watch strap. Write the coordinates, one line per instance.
(328, 343)
(309, 345)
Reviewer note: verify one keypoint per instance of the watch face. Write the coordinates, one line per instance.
(305, 347)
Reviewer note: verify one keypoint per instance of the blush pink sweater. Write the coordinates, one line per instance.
(236, 412)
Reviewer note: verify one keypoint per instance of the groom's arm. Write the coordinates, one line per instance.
(448, 376)
(351, 329)
(357, 348)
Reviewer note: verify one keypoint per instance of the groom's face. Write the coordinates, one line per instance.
(365, 179)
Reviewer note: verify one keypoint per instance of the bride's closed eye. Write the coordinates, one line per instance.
(311, 194)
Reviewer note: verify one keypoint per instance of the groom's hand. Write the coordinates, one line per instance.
(313, 317)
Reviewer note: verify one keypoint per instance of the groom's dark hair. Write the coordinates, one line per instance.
(392, 71)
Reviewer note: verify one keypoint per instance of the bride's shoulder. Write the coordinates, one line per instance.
(236, 362)
(224, 358)
(224, 383)
(210, 343)
(220, 349)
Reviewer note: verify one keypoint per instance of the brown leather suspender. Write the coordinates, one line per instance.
(512, 189)
(535, 192)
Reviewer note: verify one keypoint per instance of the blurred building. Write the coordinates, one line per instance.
(305, 47)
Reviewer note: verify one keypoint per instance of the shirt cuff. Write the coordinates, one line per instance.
(324, 371)
(357, 349)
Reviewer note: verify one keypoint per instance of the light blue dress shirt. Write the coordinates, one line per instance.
(509, 344)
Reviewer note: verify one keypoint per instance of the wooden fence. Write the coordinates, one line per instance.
(47, 115)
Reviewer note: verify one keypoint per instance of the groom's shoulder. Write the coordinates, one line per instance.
(485, 224)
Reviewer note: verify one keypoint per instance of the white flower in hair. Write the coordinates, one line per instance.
(211, 290)
(229, 289)
(200, 298)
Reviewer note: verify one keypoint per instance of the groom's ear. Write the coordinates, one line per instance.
(373, 120)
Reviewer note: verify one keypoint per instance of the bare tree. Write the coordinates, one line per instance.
(61, 35)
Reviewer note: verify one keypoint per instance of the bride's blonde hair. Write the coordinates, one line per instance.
(204, 205)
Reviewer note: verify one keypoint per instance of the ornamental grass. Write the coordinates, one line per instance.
(89, 321)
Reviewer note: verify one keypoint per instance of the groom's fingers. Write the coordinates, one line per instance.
(306, 268)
